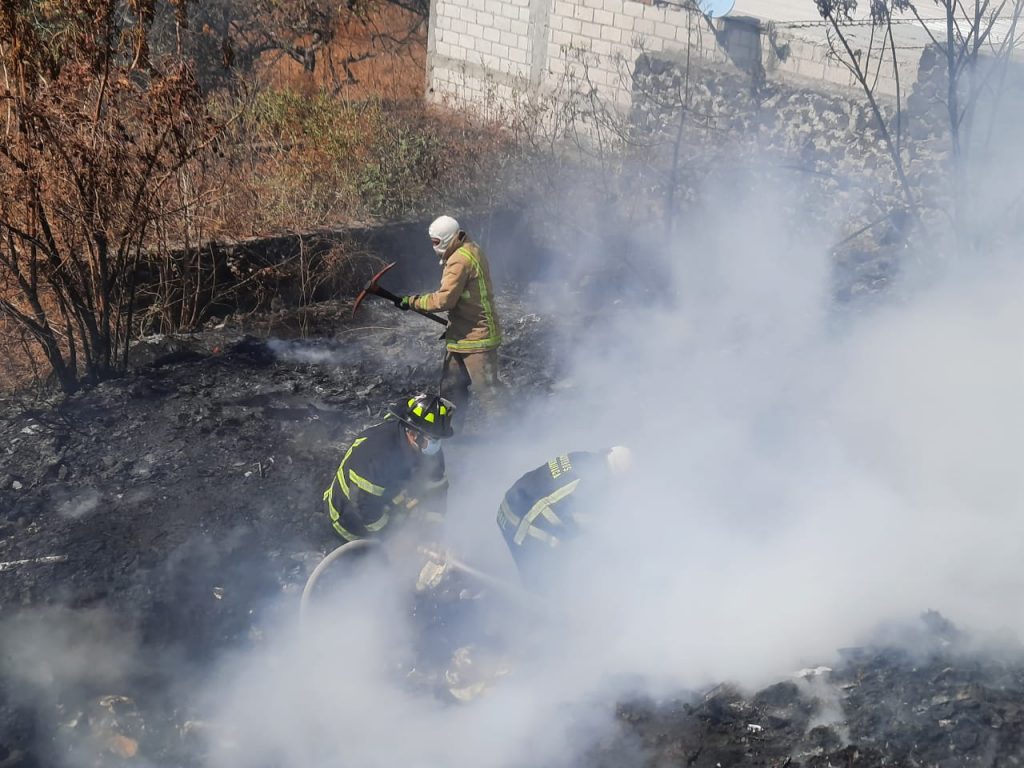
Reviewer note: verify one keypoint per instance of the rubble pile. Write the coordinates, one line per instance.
(889, 705)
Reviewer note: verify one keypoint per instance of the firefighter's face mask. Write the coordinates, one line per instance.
(442, 232)
(430, 446)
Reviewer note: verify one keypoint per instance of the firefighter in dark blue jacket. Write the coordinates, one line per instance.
(394, 471)
(548, 505)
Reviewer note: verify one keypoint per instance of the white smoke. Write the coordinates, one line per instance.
(47, 649)
(80, 504)
(67, 668)
(799, 480)
(801, 475)
(304, 352)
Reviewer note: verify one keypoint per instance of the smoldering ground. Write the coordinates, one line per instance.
(182, 500)
(804, 480)
(801, 476)
(65, 670)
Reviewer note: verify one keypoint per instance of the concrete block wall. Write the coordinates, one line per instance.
(492, 34)
(496, 54)
(801, 58)
(479, 52)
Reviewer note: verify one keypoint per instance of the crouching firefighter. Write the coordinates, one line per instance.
(393, 473)
(548, 507)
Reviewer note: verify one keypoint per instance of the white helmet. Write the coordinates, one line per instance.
(619, 460)
(442, 231)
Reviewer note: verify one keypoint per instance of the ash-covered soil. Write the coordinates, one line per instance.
(164, 512)
(176, 502)
(948, 702)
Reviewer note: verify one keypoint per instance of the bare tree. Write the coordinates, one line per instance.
(838, 13)
(95, 130)
(228, 36)
(977, 42)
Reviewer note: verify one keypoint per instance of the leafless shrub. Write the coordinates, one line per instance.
(229, 37)
(977, 43)
(96, 133)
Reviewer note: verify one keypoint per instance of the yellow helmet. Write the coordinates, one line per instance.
(429, 414)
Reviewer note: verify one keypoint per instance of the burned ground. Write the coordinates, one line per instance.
(181, 502)
(941, 705)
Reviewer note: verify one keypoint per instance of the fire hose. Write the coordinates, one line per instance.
(333, 555)
(511, 591)
(507, 590)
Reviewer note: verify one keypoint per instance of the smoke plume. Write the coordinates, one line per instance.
(803, 472)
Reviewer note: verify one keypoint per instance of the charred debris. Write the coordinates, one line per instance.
(120, 526)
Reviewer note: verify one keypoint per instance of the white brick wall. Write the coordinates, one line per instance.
(485, 51)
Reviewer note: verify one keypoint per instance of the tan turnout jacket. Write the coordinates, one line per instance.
(466, 295)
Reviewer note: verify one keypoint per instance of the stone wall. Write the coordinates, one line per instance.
(832, 139)
(756, 96)
(792, 121)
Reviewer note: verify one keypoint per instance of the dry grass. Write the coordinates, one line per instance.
(319, 149)
(352, 142)
(300, 162)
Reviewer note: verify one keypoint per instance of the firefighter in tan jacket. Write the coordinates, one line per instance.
(474, 333)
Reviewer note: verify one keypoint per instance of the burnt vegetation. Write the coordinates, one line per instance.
(160, 476)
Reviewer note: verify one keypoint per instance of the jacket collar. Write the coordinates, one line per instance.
(459, 241)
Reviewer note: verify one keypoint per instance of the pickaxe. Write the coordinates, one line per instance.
(372, 287)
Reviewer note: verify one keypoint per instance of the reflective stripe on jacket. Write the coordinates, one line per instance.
(382, 480)
(467, 296)
(544, 505)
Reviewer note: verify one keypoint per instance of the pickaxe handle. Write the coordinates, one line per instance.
(373, 288)
(384, 293)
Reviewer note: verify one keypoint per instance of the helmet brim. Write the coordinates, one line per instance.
(437, 432)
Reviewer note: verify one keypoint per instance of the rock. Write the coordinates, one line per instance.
(12, 758)
(778, 695)
(824, 738)
(160, 350)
